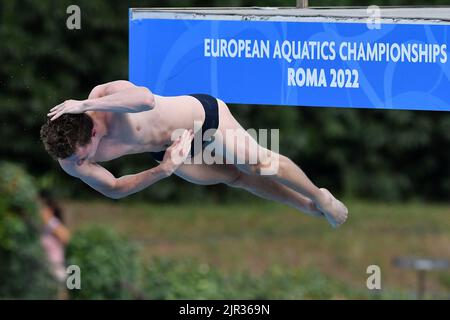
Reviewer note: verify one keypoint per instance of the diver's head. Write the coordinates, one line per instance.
(71, 136)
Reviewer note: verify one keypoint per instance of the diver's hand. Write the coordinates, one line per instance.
(177, 153)
(68, 106)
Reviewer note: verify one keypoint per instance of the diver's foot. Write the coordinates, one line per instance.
(312, 210)
(334, 210)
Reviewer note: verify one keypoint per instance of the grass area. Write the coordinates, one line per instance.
(256, 236)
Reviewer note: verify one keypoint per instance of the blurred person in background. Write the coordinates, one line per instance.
(54, 237)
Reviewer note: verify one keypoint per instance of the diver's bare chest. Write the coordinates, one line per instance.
(107, 151)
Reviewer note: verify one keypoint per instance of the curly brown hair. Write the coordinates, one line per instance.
(62, 136)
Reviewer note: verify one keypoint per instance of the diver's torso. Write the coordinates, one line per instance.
(149, 131)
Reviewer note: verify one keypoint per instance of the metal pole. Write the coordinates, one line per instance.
(421, 284)
(302, 3)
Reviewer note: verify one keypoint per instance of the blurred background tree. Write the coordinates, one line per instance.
(372, 154)
(110, 267)
(24, 272)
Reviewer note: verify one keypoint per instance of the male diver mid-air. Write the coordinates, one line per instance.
(119, 118)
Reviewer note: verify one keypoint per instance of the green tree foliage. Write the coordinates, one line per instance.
(24, 273)
(378, 154)
(109, 265)
(189, 279)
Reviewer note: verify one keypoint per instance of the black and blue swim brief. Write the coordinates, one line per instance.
(211, 107)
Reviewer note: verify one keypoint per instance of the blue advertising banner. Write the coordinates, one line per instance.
(323, 64)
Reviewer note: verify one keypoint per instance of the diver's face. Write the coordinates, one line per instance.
(87, 151)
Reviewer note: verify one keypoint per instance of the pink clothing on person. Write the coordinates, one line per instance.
(54, 249)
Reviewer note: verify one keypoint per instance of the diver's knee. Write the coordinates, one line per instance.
(269, 166)
(237, 180)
